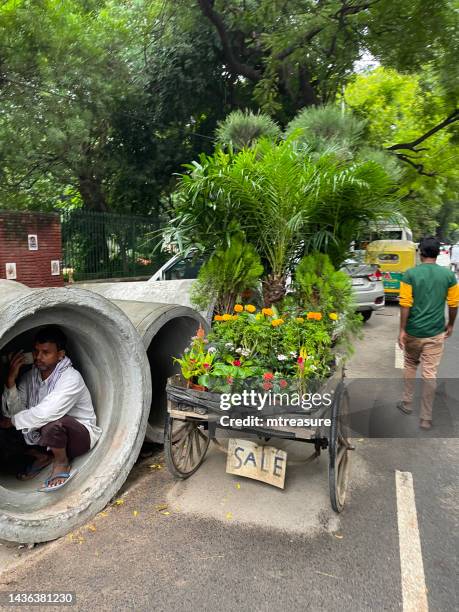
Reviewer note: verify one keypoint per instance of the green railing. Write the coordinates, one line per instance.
(106, 245)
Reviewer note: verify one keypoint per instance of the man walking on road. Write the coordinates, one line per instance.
(423, 293)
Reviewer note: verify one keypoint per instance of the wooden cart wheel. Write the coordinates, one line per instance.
(339, 448)
(185, 446)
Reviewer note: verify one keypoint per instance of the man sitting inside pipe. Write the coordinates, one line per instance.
(49, 416)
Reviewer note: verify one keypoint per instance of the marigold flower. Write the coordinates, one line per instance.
(238, 308)
(226, 317)
(218, 318)
(277, 322)
(333, 316)
(283, 383)
(267, 386)
(268, 312)
(314, 315)
(250, 308)
(234, 317)
(299, 320)
(268, 376)
(236, 363)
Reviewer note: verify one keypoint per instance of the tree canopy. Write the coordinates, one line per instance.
(102, 101)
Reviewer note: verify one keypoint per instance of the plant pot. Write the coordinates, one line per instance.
(195, 387)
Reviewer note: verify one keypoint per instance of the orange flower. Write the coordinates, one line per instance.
(226, 317)
(277, 322)
(238, 308)
(250, 308)
(218, 318)
(268, 312)
(314, 315)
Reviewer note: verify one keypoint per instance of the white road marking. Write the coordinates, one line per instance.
(414, 592)
(399, 359)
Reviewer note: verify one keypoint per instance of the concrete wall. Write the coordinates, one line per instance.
(33, 267)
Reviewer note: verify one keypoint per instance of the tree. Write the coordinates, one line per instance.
(297, 53)
(399, 109)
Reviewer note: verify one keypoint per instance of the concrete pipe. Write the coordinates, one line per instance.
(166, 330)
(107, 350)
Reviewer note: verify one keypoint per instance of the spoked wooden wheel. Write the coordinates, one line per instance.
(185, 446)
(339, 448)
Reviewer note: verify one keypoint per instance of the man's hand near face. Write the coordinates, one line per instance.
(15, 365)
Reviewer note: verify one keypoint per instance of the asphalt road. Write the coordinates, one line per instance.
(170, 547)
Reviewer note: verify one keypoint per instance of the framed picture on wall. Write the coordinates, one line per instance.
(55, 267)
(32, 240)
(10, 271)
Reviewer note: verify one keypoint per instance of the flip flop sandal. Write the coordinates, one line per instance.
(31, 471)
(401, 406)
(67, 475)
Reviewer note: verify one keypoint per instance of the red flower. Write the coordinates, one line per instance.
(206, 365)
(267, 386)
(268, 376)
(230, 380)
(283, 383)
(300, 360)
(236, 362)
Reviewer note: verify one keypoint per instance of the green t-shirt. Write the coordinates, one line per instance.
(430, 284)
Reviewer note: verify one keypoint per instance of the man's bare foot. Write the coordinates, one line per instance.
(35, 468)
(424, 424)
(58, 468)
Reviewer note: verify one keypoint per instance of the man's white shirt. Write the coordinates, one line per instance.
(69, 397)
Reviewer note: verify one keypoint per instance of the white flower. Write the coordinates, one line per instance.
(211, 349)
(187, 350)
(239, 350)
(229, 345)
(293, 353)
(282, 357)
(313, 368)
(245, 352)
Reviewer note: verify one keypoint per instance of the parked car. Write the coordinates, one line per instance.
(367, 285)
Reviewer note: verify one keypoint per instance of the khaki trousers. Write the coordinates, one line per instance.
(428, 353)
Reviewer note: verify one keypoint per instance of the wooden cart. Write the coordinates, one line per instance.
(191, 412)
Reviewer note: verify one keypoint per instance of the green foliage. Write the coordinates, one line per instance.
(286, 202)
(228, 273)
(320, 286)
(197, 359)
(242, 129)
(327, 128)
(399, 108)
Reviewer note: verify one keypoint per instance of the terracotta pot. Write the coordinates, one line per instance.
(195, 387)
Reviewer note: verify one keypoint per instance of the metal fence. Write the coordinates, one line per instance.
(105, 245)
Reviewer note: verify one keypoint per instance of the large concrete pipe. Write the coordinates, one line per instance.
(107, 350)
(177, 291)
(166, 330)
